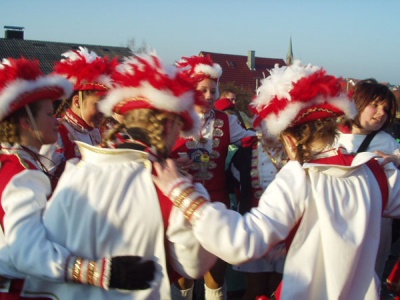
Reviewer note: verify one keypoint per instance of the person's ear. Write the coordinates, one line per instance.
(290, 144)
(75, 101)
(25, 123)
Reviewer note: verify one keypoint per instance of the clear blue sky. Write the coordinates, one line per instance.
(353, 38)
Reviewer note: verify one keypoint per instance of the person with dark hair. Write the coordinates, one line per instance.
(204, 154)
(90, 76)
(228, 94)
(377, 107)
(330, 202)
(227, 103)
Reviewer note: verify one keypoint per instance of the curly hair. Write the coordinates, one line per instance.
(10, 128)
(152, 122)
(308, 134)
(109, 135)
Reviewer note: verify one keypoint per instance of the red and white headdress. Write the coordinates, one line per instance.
(199, 68)
(86, 70)
(143, 81)
(296, 94)
(22, 82)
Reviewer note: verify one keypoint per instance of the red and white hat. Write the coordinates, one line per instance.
(86, 70)
(296, 94)
(199, 68)
(22, 82)
(143, 81)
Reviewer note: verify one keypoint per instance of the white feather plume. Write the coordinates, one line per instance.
(89, 56)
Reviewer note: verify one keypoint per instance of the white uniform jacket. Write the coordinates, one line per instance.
(107, 205)
(24, 248)
(384, 142)
(333, 253)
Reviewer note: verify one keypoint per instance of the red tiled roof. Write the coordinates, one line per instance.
(235, 68)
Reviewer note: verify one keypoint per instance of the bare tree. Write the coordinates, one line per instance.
(135, 48)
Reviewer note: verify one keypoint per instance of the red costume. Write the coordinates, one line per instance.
(209, 166)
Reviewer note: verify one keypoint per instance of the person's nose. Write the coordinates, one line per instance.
(207, 95)
(380, 111)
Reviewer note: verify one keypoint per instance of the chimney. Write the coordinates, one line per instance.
(251, 60)
(14, 32)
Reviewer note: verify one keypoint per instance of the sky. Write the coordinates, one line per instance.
(349, 38)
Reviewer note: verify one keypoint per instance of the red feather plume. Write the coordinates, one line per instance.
(151, 71)
(23, 69)
(194, 61)
(83, 71)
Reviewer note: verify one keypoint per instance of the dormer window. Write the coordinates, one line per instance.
(230, 64)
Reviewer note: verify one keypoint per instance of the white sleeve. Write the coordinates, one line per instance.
(189, 258)
(237, 132)
(237, 239)
(24, 200)
(392, 208)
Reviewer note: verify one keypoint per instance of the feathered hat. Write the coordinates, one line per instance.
(296, 94)
(22, 82)
(143, 81)
(86, 70)
(199, 68)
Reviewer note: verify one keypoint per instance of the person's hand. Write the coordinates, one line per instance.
(388, 158)
(179, 189)
(131, 273)
(118, 272)
(167, 174)
(183, 163)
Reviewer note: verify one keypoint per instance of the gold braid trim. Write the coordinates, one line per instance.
(96, 84)
(76, 273)
(90, 273)
(182, 196)
(87, 271)
(117, 108)
(194, 206)
(313, 110)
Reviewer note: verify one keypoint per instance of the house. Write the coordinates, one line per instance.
(244, 71)
(14, 45)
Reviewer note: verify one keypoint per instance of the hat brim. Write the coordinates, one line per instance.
(317, 112)
(23, 92)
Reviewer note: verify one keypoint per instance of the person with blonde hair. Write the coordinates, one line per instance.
(329, 201)
(27, 123)
(106, 204)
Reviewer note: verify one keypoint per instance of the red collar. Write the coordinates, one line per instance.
(340, 158)
(77, 121)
